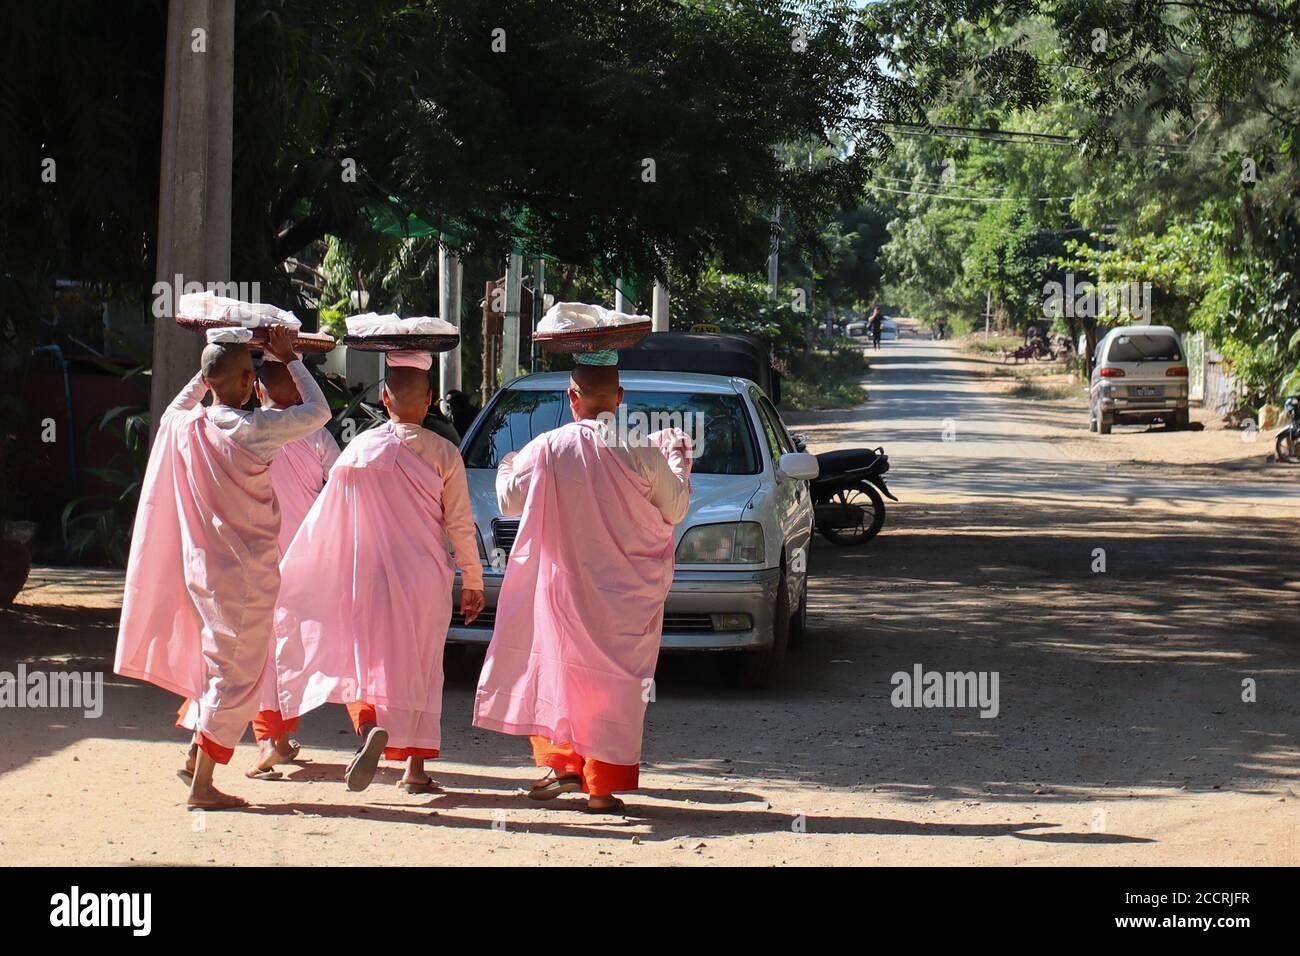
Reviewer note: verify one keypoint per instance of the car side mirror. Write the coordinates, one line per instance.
(798, 465)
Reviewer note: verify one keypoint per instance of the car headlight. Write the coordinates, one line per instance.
(736, 542)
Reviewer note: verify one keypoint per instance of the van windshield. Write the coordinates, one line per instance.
(1145, 348)
(520, 415)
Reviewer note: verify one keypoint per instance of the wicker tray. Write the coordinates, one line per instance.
(304, 342)
(593, 340)
(401, 343)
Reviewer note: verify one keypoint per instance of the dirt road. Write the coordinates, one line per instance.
(1121, 734)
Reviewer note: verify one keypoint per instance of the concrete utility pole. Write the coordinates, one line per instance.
(659, 308)
(194, 185)
(510, 336)
(539, 307)
(450, 272)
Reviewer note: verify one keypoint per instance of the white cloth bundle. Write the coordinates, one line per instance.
(251, 315)
(372, 324)
(231, 335)
(576, 316)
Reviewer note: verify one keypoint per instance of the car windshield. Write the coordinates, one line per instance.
(720, 421)
(1145, 348)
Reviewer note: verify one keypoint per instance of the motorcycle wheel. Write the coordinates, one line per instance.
(864, 496)
(1285, 446)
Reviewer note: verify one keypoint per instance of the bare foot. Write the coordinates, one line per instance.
(288, 749)
(609, 804)
(210, 798)
(186, 774)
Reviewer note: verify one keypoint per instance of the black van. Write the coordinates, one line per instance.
(712, 353)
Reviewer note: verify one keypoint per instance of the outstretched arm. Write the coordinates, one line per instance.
(514, 476)
(666, 466)
(189, 396)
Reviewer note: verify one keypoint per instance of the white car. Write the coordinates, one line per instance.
(741, 582)
(1139, 376)
(888, 330)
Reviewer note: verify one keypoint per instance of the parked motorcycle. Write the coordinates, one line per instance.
(1287, 443)
(847, 495)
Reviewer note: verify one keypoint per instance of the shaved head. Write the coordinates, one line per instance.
(277, 384)
(407, 393)
(228, 369)
(594, 389)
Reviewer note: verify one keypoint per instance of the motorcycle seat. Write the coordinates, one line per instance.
(845, 460)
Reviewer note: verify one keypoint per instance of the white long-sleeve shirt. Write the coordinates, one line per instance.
(264, 430)
(669, 489)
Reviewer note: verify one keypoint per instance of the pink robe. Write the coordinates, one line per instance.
(365, 599)
(580, 615)
(298, 474)
(202, 576)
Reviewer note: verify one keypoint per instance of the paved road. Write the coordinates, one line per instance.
(949, 435)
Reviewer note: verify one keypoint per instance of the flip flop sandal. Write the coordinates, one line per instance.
(616, 808)
(295, 748)
(569, 783)
(428, 786)
(361, 770)
(186, 777)
(268, 774)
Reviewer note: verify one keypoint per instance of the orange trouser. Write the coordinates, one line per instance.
(599, 779)
(205, 743)
(363, 713)
(269, 725)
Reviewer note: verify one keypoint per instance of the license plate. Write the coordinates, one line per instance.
(1147, 391)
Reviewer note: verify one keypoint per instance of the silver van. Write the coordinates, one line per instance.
(1139, 376)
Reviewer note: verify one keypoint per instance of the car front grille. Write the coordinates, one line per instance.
(504, 533)
(486, 618)
(699, 623)
(691, 623)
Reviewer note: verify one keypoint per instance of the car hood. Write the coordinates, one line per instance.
(714, 498)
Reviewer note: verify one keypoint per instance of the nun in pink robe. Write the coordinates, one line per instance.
(298, 473)
(365, 600)
(580, 615)
(203, 573)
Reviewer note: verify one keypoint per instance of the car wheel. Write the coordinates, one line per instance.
(1104, 425)
(462, 662)
(799, 623)
(760, 668)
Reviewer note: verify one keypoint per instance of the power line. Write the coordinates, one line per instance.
(970, 199)
(1017, 137)
(919, 182)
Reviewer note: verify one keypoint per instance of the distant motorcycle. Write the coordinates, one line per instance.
(1287, 444)
(847, 496)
